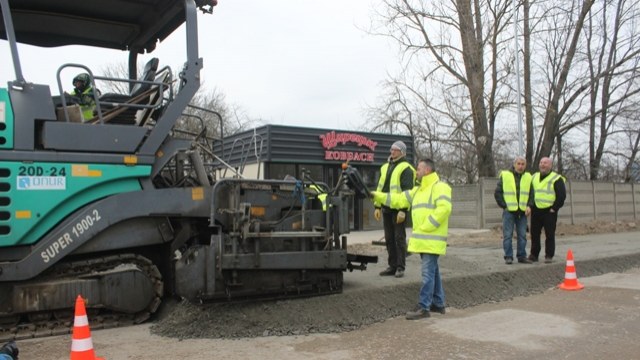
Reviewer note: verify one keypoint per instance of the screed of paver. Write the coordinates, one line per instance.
(506, 326)
(614, 280)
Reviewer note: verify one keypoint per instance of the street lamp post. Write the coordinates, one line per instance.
(517, 65)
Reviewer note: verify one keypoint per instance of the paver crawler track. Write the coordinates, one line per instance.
(94, 278)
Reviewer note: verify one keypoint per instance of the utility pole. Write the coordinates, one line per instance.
(519, 91)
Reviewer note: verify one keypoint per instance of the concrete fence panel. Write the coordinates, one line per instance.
(624, 201)
(493, 213)
(474, 206)
(580, 201)
(465, 207)
(604, 200)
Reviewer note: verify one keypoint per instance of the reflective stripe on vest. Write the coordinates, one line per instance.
(434, 242)
(394, 182)
(509, 190)
(433, 221)
(429, 237)
(427, 243)
(545, 195)
(323, 197)
(87, 104)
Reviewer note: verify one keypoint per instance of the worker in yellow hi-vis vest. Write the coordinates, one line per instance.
(430, 203)
(322, 196)
(512, 195)
(84, 93)
(545, 199)
(396, 176)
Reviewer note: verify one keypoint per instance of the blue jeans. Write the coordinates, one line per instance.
(509, 221)
(431, 292)
(5, 357)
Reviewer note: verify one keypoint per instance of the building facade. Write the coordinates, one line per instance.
(275, 151)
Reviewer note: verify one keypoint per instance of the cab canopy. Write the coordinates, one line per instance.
(132, 25)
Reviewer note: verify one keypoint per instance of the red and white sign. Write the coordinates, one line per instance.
(332, 139)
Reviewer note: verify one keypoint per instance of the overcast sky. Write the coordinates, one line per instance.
(289, 62)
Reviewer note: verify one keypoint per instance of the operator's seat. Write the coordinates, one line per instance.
(121, 108)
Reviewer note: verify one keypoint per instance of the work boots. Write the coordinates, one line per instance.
(388, 272)
(438, 309)
(418, 313)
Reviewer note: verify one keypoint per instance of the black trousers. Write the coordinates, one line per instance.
(395, 237)
(543, 219)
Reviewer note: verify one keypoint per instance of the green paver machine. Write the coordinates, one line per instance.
(119, 208)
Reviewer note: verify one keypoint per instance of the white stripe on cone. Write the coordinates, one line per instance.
(81, 345)
(80, 321)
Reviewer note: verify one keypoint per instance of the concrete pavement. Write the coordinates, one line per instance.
(599, 322)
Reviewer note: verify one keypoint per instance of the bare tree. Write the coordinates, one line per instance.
(528, 103)
(471, 34)
(456, 48)
(617, 83)
(209, 113)
(562, 66)
(592, 87)
(580, 69)
(634, 145)
(116, 71)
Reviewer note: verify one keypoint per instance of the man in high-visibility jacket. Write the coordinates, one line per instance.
(396, 176)
(545, 199)
(84, 92)
(430, 203)
(512, 195)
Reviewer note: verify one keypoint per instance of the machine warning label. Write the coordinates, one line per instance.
(41, 183)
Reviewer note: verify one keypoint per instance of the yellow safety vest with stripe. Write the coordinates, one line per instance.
(394, 182)
(509, 190)
(322, 196)
(87, 102)
(430, 209)
(544, 193)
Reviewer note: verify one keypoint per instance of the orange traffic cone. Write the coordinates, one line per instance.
(81, 344)
(570, 277)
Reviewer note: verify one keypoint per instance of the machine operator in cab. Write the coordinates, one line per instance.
(84, 92)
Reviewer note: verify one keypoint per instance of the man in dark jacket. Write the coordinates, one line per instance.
(396, 176)
(545, 200)
(512, 195)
